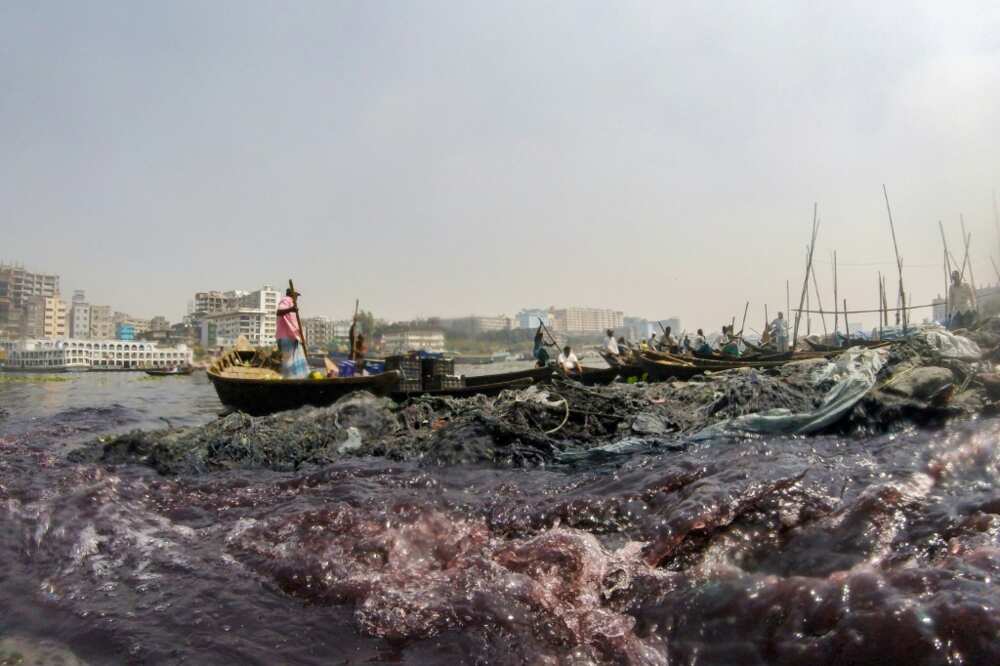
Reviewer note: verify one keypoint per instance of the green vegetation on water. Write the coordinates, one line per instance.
(28, 378)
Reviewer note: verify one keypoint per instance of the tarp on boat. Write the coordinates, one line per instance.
(854, 373)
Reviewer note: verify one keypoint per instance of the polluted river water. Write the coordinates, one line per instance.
(832, 549)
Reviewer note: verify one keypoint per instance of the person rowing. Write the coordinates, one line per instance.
(293, 359)
(538, 351)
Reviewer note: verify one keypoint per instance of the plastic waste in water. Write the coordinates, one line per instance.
(353, 441)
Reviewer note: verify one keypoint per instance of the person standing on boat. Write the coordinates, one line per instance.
(611, 345)
(539, 352)
(779, 333)
(962, 301)
(569, 363)
(668, 342)
(293, 358)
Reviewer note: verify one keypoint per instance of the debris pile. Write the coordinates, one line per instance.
(930, 376)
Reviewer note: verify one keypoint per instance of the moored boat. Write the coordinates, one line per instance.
(167, 372)
(249, 381)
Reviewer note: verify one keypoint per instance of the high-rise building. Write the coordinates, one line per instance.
(17, 287)
(474, 325)
(22, 284)
(45, 317)
(584, 320)
(252, 315)
(79, 320)
(530, 318)
(102, 324)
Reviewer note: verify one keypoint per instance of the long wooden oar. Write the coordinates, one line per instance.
(295, 303)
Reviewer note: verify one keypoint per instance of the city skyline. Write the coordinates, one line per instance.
(448, 159)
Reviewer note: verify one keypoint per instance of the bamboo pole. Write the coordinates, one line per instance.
(996, 217)
(805, 279)
(835, 306)
(899, 260)
(879, 278)
(295, 304)
(968, 252)
(868, 311)
(819, 303)
(885, 304)
(947, 272)
(847, 326)
(788, 302)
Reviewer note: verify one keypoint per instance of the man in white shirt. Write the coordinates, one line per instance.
(779, 332)
(611, 345)
(569, 363)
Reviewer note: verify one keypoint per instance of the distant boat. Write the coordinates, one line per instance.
(166, 372)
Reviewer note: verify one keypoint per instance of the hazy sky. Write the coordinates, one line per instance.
(478, 157)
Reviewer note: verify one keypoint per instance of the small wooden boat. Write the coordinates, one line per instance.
(537, 375)
(248, 380)
(867, 344)
(167, 372)
(465, 391)
(662, 370)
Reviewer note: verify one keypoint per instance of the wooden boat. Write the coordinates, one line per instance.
(661, 370)
(763, 361)
(867, 344)
(465, 391)
(167, 372)
(537, 375)
(249, 381)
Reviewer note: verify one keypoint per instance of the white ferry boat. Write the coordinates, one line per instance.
(83, 355)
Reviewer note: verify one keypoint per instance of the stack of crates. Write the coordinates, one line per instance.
(442, 382)
(410, 367)
(436, 367)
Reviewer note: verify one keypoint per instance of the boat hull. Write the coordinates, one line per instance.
(266, 396)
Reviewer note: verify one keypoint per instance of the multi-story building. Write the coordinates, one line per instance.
(640, 328)
(530, 318)
(138, 325)
(321, 331)
(102, 324)
(474, 325)
(71, 354)
(125, 331)
(159, 323)
(45, 317)
(17, 287)
(253, 316)
(400, 342)
(79, 316)
(585, 320)
(22, 285)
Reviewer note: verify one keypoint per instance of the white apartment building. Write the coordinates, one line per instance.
(253, 317)
(414, 340)
(585, 320)
(79, 355)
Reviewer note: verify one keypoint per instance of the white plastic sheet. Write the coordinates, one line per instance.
(854, 372)
(949, 345)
